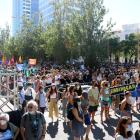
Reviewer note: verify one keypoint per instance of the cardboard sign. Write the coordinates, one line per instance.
(120, 89)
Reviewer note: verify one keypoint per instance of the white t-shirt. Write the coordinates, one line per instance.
(49, 79)
(56, 78)
(119, 137)
(99, 78)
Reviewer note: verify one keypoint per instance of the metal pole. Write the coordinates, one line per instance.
(7, 84)
(14, 93)
(138, 50)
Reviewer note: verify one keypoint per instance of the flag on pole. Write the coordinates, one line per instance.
(10, 63)
(20, 59)
(12, 59)
(16, 61)
(3, 59)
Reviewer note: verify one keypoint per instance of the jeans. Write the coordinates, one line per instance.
(42, 109)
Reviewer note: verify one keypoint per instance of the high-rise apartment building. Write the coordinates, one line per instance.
(19, 8)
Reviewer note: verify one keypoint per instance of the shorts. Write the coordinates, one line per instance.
(93, 108)
(87, 119)
(102, 104)
(138, 101)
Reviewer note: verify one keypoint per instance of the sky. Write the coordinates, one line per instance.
(121, 11)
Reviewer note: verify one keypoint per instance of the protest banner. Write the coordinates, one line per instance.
(32, 62)
(20, 66)
(120, 89)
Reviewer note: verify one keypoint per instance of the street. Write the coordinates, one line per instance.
(60, 130)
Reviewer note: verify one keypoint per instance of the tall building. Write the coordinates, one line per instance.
(20, 7)
(46, 9)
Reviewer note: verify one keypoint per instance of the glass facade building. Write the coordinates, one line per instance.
(19, 7)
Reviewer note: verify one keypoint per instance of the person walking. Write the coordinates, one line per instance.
(93, 94)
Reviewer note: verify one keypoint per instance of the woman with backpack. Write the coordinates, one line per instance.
(124, 129)
(70, 102)
(78, 120)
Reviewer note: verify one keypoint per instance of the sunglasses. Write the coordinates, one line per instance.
(30, 107)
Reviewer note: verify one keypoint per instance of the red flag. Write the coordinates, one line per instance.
(10, 63)
(12, 59)
(16, 61)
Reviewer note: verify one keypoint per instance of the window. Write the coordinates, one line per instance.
(23, 7)
(27, 1)
(27, 12)
(24, 4)
(27, 4)
(27, 8)
(126, 36)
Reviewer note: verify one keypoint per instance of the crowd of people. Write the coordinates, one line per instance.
(37, 88)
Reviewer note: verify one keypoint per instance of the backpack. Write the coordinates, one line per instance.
(70, 115)
(137, 135)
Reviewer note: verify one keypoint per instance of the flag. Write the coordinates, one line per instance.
(9, 62)
(1, 53)
(16, 61)
(20, 66)
(3, 59)
(12, 59)
(20, 59)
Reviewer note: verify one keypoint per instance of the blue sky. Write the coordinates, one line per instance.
(121, 11)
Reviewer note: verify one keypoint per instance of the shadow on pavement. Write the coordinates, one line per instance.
(97, 133)
(109, 129)
(52, 129)
(67, 130)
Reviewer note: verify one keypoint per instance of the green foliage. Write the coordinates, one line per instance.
(71, 33)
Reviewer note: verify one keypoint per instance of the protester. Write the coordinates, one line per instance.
(78, 89)
(41, 99)
(126, 105)
(105, 94)
(21, 96)
(124, 129)
(33, 124)
(7, 130)
(70, 102)
(38, 83)
(93, 94)
(65, 96)
(78, 120)
(52, 98)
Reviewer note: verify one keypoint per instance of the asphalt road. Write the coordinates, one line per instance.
(59, 130)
